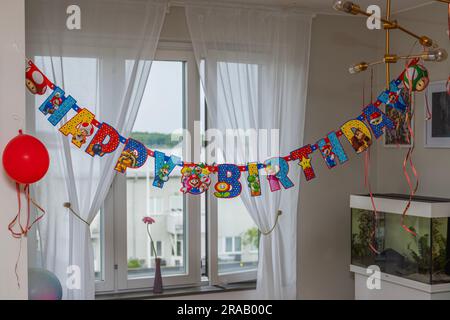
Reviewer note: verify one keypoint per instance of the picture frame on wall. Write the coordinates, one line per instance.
(437, 129)
(399, 136)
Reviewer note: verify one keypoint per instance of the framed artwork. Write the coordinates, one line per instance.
(399, 136)
(437, 129)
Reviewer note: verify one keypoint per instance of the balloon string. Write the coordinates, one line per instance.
(427, 107)
(375, 212)
(372, 244)
(447, 85)
(17, 263)
(38, 218)
(409, 154)
(17, 218)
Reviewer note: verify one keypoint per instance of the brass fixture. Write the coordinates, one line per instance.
(436, 55)
(431, 53)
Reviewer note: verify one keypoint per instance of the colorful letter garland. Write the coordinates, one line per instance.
(196, 176)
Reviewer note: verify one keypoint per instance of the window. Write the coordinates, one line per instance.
(228, 244)
(165, 88)
(234, 237)
(97, 243)
(237, 244)
(187, 229)
(155, 205)
(158, 248)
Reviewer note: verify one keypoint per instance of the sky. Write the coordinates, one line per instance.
(162, 104)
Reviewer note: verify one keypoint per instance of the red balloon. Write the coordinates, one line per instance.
(25, 159)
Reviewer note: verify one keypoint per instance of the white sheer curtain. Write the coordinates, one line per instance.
(104, 66)
(255, 71)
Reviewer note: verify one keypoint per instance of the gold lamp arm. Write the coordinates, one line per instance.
(350, 7)
(437, 55)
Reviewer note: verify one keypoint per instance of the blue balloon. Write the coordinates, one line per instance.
(43, 285)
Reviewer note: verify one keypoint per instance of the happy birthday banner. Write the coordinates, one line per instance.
(195, 176)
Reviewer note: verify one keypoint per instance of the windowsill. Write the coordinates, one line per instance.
(177, 292)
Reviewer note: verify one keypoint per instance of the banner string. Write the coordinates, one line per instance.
(212, 168)
(313, 147)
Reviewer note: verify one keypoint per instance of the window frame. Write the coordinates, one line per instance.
(114, 222)
(115, 227)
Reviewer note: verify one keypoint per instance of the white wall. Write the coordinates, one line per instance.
(12, 101)
(334, 96)
(433, 165)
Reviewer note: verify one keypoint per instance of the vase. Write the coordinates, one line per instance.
(158, 285)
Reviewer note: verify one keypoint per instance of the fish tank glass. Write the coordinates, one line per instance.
(424, 257)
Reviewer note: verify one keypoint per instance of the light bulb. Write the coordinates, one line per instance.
(359, 67)
(338, 5)
(436, 55)
(344, 6)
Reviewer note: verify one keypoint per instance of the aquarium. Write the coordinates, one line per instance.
(382, 241)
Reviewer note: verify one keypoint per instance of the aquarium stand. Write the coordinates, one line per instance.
(407, 266)
(396, 288)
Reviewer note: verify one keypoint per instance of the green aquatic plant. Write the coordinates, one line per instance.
(361, 240)
(421, 256)
(436, 252)
(439, 247)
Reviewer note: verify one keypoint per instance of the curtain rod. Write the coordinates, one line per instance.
(242, 5)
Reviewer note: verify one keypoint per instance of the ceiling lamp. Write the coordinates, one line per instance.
(431, 53)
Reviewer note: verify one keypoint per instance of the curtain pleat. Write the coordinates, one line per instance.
(104, 66)
(255, 77)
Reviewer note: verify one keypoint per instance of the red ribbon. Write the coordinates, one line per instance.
(372, 245)
(17, 219)
(409, 155)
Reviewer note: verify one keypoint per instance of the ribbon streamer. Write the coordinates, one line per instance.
(372, 245)
(17, 219)
(409, 154)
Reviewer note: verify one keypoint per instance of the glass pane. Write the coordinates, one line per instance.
(238, 236)
(234, 224)
(155, 128)
(237, 244)
(228, 244)
(97, 242)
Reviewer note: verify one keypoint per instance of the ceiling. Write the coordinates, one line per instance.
(325, 6)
